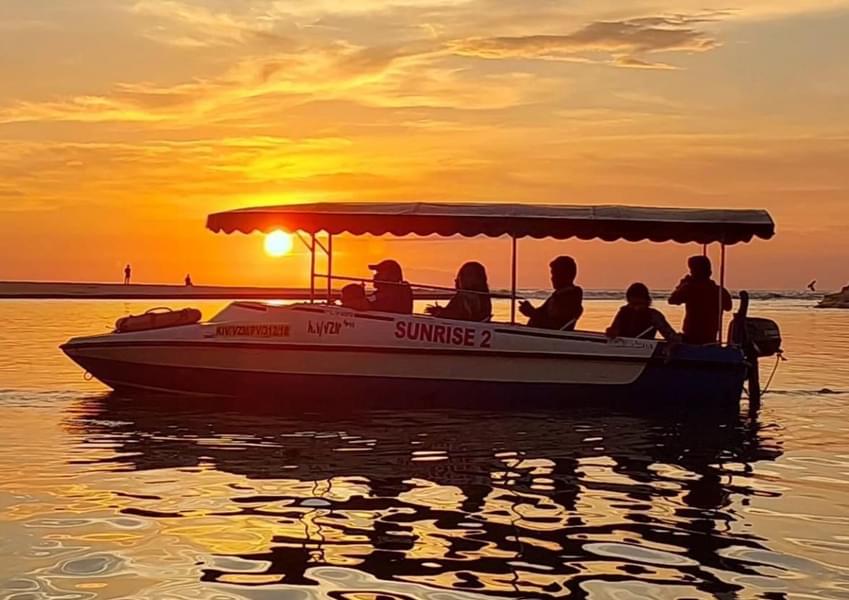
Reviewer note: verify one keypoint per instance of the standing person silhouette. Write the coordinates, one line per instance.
(128, 273)
(700, 296)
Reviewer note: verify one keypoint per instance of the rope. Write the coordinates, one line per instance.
(421, 286)
(778, 358)
(569, 324)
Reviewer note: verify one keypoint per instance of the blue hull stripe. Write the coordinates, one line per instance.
(666, 383)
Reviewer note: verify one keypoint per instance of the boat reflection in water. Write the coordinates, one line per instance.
(538, 503)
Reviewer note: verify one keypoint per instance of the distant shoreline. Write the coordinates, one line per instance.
(56, 290)
(49, 290)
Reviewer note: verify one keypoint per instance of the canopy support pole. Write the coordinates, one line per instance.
(513, 283)
(312, 268)
(321, 246)
(329, 250)
(312, 244)
(304, 240)
(721, 289)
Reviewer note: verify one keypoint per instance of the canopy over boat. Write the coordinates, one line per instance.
(608, 223)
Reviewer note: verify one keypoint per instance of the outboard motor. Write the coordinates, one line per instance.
(759, 338)
(764, 336)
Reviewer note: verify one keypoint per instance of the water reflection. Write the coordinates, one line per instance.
(514, 503)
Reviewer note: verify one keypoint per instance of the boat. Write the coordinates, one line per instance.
(318, 350)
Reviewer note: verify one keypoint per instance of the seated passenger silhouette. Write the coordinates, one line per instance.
(700, 296)
(354, 297)
(565, 306)
(637, 319)
(472, 301)
(392, 294)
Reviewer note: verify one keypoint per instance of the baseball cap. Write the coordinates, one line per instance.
(389, 269)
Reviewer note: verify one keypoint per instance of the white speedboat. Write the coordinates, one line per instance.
(319, 350)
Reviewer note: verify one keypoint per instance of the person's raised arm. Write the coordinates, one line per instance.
(679, 295)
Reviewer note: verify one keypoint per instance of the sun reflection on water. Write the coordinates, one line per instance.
(104, 496)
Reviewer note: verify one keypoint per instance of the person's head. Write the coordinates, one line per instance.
(472, 276)
(700, 267)
(638, 296)
(352, 294)
(563, 271)
(386, 271)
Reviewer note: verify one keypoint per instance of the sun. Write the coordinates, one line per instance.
(278, 243)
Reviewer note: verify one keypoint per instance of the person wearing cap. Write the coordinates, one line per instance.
(565, 306)
(391, 293)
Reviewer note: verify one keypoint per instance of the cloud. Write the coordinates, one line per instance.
(639, 63)
(196, 26)
(397, 76)
(165, 172)
(622, 43)
(264, 78)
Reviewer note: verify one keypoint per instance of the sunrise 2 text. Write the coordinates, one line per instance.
(442, 334)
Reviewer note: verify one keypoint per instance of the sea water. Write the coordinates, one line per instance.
(106, 496)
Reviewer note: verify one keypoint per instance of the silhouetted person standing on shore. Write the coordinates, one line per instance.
(189, 280)
(565, 306)
(700, 296)
(128, 273)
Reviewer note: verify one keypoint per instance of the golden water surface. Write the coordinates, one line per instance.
(106, 496)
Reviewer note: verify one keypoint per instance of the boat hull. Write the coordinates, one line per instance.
(681, 384)
(303, 354)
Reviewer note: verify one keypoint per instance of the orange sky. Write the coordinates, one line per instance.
(124, 122)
